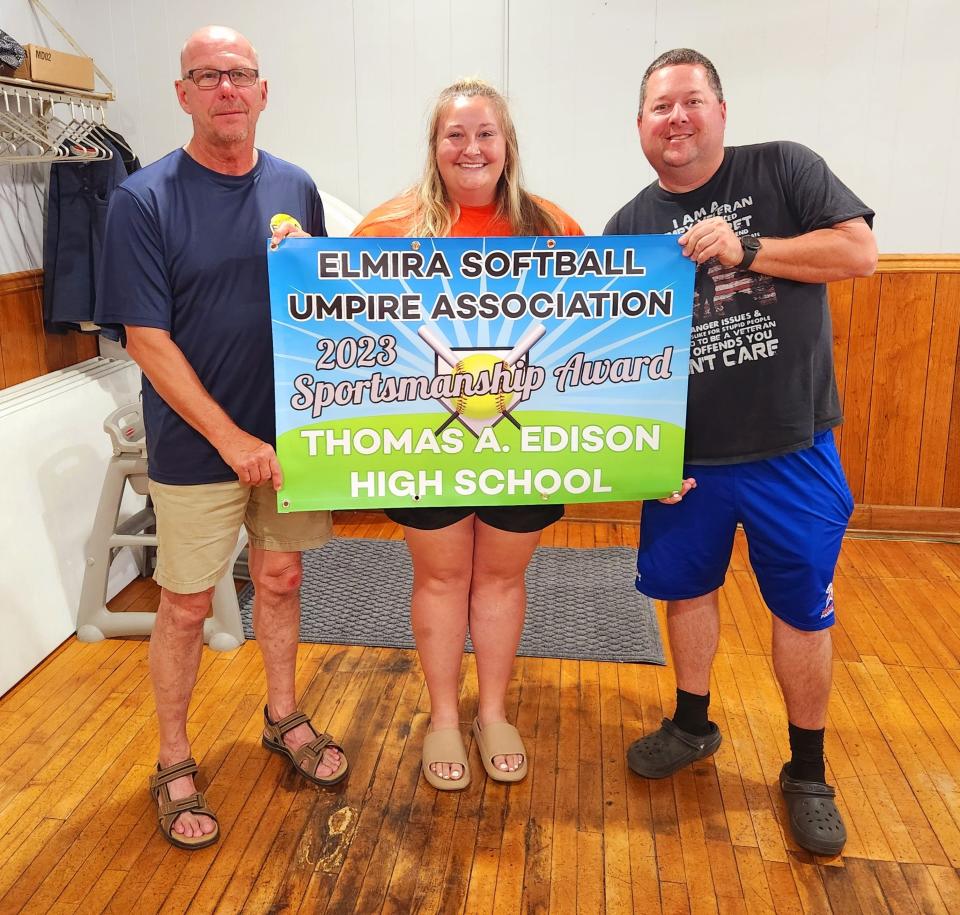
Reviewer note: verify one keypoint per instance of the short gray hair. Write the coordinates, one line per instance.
(682, 56)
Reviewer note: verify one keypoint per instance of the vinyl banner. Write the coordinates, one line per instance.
(479, 371)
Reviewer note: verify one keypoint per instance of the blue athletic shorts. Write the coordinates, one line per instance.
(794, 510)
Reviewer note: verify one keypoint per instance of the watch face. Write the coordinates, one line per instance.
(750, 243)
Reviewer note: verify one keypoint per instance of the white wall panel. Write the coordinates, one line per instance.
(22, 187)
(858, 81)
(54, 449)
(477, 43)
(22, 191)
(573, 90)
(924, 160)
(406, 52)
(307, 54)
(387, 107)
(873, 85)
(350, 83)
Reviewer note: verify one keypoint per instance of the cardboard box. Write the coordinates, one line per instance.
(44, 65)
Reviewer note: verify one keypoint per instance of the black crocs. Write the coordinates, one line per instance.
(668, 749)
(815, 822)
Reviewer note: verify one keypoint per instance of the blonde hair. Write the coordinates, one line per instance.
(428, 203)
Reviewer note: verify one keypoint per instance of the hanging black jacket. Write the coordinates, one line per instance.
(76, 213)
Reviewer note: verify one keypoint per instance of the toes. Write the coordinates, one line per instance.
(450, 771)
(329, 763)
(192, 827)
(508, 763)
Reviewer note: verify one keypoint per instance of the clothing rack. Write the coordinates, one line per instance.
(51, 124)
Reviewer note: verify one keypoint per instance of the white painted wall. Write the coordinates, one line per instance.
(873, 85)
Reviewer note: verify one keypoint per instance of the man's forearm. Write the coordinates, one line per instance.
(838, 253)
(174, 379)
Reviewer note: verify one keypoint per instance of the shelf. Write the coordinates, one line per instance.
(61, 91)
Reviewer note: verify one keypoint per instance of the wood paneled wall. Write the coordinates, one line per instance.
(896, 347)
(26, 351)
(896, 341)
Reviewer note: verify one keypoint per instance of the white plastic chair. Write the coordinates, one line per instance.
(223, 631)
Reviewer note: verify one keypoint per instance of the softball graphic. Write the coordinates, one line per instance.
(278, 219)
(481, 406)
(481, 409)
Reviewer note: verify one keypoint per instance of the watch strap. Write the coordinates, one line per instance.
(749, 253)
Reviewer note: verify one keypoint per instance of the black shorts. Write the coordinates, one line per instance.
(518, 519)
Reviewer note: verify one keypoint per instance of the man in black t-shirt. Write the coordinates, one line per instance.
(768, 226)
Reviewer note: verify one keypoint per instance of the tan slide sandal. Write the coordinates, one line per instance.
(445, 746)
(500, 738)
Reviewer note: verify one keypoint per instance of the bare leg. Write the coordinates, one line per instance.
(498, 601)
(276, 622)
(441, 584)
(803, 662)
(694, 630)
(175, 647)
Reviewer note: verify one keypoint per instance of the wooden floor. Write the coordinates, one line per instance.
(581, 834)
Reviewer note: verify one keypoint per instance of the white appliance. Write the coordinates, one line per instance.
(54, 453)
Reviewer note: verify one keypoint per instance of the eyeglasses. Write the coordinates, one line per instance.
(208, 78)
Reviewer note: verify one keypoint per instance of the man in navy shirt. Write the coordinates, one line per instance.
(768, 226)
(184, 272)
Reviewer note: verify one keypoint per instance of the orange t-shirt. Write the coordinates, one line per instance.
(474, 222)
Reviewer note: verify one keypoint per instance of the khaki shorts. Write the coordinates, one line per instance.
(197, 529)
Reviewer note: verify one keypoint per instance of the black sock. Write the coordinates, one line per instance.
(806, 762)
(691, 713)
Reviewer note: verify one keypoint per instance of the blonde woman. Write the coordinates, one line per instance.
(469, 563)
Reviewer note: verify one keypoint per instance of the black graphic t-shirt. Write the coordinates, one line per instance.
(761, 357)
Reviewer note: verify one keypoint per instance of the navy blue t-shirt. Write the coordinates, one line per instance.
(185, 251)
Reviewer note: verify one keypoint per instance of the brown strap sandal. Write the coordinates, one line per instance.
(170, 809)
(305, 759)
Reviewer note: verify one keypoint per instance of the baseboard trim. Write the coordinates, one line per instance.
(18, 282)
(908, 521)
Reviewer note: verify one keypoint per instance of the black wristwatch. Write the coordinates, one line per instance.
(751, 246)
